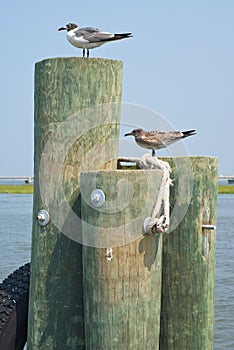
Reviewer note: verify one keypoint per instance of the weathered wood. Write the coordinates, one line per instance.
(122, 297)
(187, 314)
(66, 133)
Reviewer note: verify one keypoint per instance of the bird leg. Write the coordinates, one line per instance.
(87, 52)
(83, 52)
(153, 153)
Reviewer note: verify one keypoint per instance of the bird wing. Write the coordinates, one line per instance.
(161, 139)
(93, 34)
(80, 31)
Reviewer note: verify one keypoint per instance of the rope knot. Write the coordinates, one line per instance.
(158, 225)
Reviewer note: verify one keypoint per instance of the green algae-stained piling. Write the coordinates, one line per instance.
(187, 310)
(72, 115)
(122, 290)
(96, 281)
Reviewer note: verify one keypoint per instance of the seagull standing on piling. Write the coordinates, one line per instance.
(158, 139)
(89, 37)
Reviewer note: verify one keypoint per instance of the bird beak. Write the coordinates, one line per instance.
(129, 134)
(62, 28)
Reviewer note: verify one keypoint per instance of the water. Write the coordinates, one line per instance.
(15, 231)
(224, 288)
(15, 237)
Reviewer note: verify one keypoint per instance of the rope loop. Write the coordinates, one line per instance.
(158, 224)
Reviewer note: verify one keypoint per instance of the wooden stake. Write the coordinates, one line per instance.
(64, 89)
(122, 286)
(187, 315)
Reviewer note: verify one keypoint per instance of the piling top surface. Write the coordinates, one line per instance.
(80, 59)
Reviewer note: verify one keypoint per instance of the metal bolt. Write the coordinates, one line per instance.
(43, 217)
(97, 198)
(146, 223)
(208, 227)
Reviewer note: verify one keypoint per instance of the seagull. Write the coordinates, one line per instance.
(158, 139)
(89, 37)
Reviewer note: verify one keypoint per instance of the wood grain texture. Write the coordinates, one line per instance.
(122, 298)
(70, 119)
(187, 314)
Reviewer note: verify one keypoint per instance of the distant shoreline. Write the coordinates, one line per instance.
(226, 189)
(16, 189)
(28, 189)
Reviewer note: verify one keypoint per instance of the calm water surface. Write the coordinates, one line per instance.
(15, 231)
(15, 241)
(224, 288)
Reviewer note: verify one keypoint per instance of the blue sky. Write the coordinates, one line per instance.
(179, 63)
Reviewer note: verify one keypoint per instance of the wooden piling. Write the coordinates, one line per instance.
(187, 314)
(122, 295)
(64, 89)
(80, 296)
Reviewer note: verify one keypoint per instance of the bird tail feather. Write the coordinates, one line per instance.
(188, 133)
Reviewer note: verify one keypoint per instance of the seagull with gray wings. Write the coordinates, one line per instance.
(158, 139)
(89, 37)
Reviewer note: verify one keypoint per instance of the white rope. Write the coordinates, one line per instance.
(156, 223)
